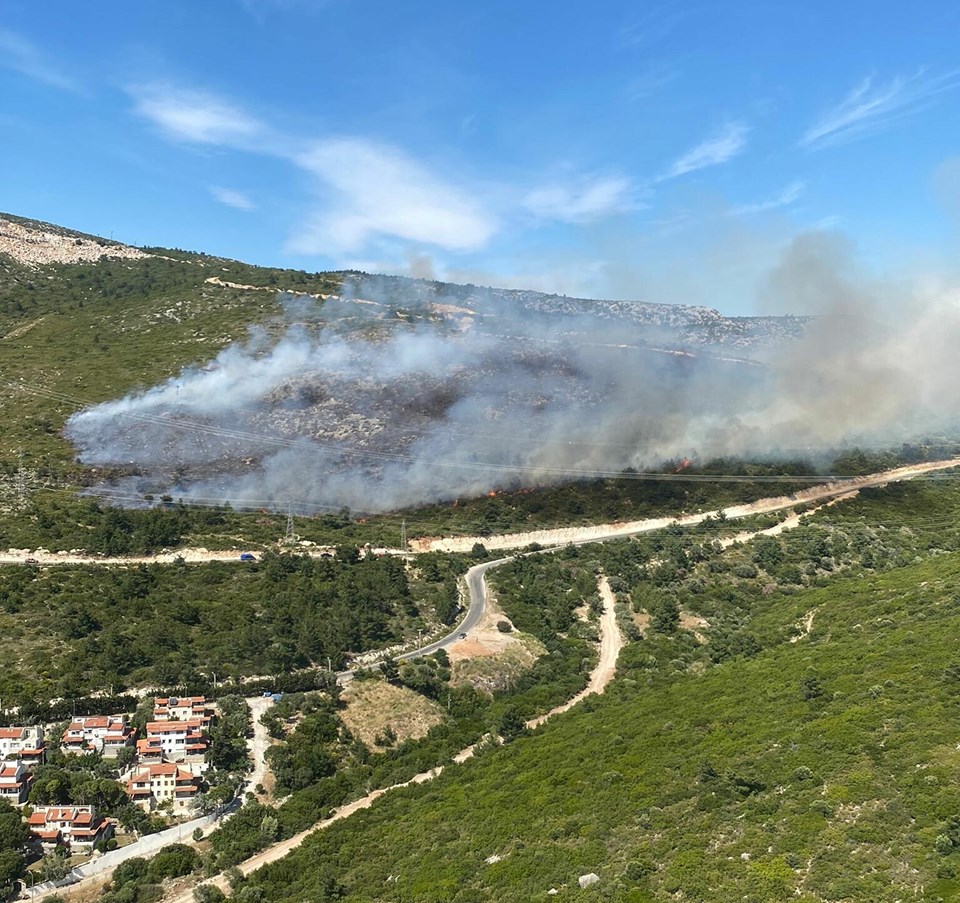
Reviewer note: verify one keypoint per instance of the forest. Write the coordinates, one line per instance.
(75, 630)
(791, 747)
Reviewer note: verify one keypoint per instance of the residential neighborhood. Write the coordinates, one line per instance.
(77, 828)
(104, 734)
(160, 768)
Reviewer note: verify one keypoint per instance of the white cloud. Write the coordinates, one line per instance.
(232, 198)
(19, 54)
(789, 195)
(368, 191)
(378, 191)
(720, 148)
(871, 107)
(589, 198)
(194, 116)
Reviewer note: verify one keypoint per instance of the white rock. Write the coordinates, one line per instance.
(589, 879)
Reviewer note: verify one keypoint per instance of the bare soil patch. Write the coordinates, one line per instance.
(485, 639)
(694, 624)
(373, 706)
(36, 247)
(492, 671)
(489, 659)
(642, 620)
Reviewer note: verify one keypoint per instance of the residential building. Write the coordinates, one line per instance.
(14, 783)
(179, 740)
(149, 751)
(106, 734)
(77, 828)
(183, 708)
(25, 744)
(153, 785)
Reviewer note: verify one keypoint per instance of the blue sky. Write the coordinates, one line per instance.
(660, 151)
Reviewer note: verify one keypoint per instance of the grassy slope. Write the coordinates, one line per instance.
(98, 331)
(726, 784)
(80, 334)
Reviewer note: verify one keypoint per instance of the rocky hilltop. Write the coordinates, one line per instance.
(34, 244)
(681, 327)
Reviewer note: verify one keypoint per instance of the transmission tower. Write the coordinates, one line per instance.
(290, 535)
(403, 534)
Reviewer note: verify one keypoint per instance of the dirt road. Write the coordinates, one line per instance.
(554, 537)
(258, 744)
(611, 642)
(601, 532)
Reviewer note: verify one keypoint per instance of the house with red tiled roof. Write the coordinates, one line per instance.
(106, 734)
(153, 785)
(14, 783)
(179, 740)
(77, 828)
(149, 751)
(183, 708)
(25, 744)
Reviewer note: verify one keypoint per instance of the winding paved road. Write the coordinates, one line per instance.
(477, 593)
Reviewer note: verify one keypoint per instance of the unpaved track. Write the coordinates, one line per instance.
(259, 743)
(557, 537)
(602, 532)
(611, 642)
(610, 639)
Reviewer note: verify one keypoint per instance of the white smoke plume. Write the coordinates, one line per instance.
(397, 395)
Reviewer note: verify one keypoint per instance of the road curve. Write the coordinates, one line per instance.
(477, 592)
(476, 585)
(477, 595)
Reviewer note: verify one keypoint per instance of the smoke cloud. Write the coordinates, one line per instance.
(402, 392)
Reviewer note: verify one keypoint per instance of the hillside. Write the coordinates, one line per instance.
(276, 387)
(804, 748)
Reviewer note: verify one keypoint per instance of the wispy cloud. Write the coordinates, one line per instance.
(379, 191)
(717, 149)
(789, 195)
(232, 198)
(588, 198)
(194, 116)
(650, 82)
(21, 55)
(365, 191)
(653, 26)
(871, 107)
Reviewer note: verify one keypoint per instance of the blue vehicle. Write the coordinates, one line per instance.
(248, 556)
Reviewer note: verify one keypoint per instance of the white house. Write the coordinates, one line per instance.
(153, 785)
(23, 743)
(14, 783)
(106, 734)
